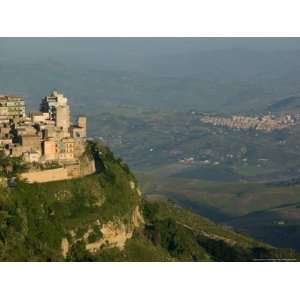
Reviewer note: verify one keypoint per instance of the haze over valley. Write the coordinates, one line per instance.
(166, 107)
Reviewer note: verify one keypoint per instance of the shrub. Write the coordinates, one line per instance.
(78, 253)
(150, 210)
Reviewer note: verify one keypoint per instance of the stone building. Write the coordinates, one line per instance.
(62, 119)
(49, 149)
(79, 130)
(39, 117)
(66, 149)
(56, 105)
(44, 136)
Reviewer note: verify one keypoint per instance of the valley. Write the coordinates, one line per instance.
(246, 179)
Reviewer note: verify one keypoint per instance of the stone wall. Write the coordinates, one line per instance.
(46, 175)
(86, 167)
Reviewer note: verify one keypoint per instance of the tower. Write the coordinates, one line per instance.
(78, 131)
(62, 117)
(59, 111)
(81, 123)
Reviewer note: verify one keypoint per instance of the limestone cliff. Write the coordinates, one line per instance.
(113, 234)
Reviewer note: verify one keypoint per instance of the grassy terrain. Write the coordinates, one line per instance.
(35, 217)
(254, 208)
(231, 198)
(172, 233)
(206, 240)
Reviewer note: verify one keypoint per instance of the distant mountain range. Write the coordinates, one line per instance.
(291, 104)
(219, 75)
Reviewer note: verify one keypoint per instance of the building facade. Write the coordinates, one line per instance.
(11, 107)
(43, 136)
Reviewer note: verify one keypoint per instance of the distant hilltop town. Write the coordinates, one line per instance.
(43, 137)
(263, 123)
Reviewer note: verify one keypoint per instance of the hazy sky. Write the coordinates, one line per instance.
(124, 49)
(202, 72)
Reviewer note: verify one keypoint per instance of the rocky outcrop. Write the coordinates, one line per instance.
(113, 234)
(3, 182)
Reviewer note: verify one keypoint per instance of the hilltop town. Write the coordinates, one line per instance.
(43, 138)
(263, 123)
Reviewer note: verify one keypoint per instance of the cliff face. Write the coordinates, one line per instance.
(113, 234)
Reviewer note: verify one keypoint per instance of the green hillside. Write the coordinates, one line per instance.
(208, 240)
(102, 217)
(34, 218)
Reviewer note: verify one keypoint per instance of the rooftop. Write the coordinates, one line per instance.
(10, 97)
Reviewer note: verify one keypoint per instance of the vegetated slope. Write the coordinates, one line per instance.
(190, 237)
(266, 211)
(278, 225)
(45, 222)
(171, 233)
(102, 217)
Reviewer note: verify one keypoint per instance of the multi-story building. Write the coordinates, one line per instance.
(11, 108)
(56, 105)
(45, 136)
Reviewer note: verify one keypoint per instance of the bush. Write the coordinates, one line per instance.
(78, 253)
(222, 251)
(150, 210)
(95, 235)
(177, 240)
